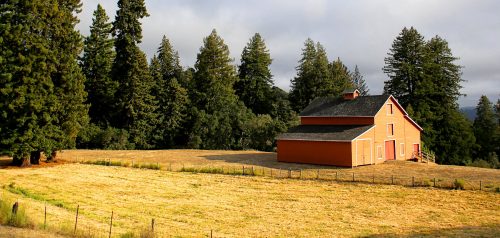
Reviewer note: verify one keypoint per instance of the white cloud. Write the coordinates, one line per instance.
(359, 32)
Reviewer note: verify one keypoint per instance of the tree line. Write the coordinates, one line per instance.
(61, 90)
(426, 80)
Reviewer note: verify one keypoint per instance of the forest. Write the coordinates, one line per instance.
(59, 89)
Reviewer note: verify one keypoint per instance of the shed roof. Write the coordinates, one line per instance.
(332, 106)
(324, 133)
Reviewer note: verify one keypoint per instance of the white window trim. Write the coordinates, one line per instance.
(387, 129)
(387, 109)
(402, 149)
(381, 152)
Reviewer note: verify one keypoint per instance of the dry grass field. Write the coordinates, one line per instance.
(192, 205)
(401, 170)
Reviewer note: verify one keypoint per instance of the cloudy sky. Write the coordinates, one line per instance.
(360, 32)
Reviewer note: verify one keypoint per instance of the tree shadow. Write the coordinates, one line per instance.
(266, 160)
(490, 230)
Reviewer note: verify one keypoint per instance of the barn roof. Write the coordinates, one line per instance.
(331, 106)
(324, 133)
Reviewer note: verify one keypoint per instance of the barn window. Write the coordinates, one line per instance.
(402, 149)
(390, 129)
(389, 109)
(379, 152)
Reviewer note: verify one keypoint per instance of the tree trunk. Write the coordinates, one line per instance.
(53, 156)
(35, 157)
(26, 162)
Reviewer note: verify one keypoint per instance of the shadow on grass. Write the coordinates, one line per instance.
(5, 162)
(492, 230)
(266, 160)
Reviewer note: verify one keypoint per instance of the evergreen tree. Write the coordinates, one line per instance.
(404, 65)
(25, 81)
(312, 78)
(424, 77)
(217, 117)
(455, 141)
(359, 82)
(172, 97)
(41, 85)
(96, 64)
(485, 126)
(136, 106)
(341, 78)
(255, 83)
(68, 78)
(128, 32)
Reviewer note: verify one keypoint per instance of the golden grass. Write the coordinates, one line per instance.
(263, 162)
(191, 205)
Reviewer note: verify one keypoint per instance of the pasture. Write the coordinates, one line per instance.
(196, 204)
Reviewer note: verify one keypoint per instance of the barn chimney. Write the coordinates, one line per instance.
(350, 94)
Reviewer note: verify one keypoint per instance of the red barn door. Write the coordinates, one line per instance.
(390, 150)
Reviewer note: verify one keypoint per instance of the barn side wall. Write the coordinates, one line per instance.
(336, 120)
(315, 152)
(405, 133)
(366, 139)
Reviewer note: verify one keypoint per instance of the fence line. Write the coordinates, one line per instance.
(312, 174)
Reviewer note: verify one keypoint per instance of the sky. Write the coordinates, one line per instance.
(359, 32)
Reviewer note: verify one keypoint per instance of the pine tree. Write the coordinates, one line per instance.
(141, 107)
(96, 64)
(25, 81)
(255, 83)
(172, 97)
(128, 32)
(485, 126)
(68, 78)
(312, 76)
(340, 78)
(404, 65)
(359, 82)
(217, 117)
(424, 75)
(41, 85)
(135, 107)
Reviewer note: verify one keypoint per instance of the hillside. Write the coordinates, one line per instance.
(263, 162)
(193, 205)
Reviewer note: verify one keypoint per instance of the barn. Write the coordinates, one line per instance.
(350, 131)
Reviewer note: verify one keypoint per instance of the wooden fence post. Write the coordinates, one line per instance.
(243, 173)
(45, 217)
(253, 172)
(76, 219)
(289, 172)
(434, 182)
(111, 224)
(318, 175)
(413, 181)
(300, 174)
(353, 177)
(392, 179)
(336, 176)
(271, 172)
(153, 226)
(480, 185)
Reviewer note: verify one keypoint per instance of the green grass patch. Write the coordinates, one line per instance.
(228, 171)
(153, 166)
(19, 219)
(28, 194)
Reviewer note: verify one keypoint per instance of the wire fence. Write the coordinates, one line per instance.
(310, 174)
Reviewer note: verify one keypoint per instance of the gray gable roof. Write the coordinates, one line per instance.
(324, 133)
(337, 107)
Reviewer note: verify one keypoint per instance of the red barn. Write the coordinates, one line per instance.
(351, 131)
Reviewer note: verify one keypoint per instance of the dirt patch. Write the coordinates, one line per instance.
(6, 163)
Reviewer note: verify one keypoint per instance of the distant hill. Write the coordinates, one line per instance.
(469, 112)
